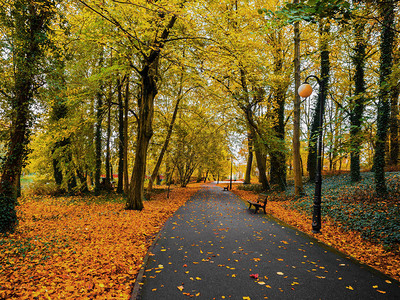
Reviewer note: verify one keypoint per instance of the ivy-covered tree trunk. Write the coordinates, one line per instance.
(358, 101)
(29, 23)
(386, 9)
(394, 115)
(324, 29)
(277, 156)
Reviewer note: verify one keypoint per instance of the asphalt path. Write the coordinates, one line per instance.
(214, 247)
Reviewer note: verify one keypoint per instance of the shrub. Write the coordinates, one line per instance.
(43, 187)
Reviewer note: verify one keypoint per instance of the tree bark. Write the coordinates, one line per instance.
(108, 154)
(394, 115)
(29, 36)
(298, 181)
(358, 102)
(149, 90)
(120, 187)
(98, 133)
(247, 176)
(322, 95)
(277, 155)
(386, 61)
(126, 107)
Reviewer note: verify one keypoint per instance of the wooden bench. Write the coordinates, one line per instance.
(226, 187)
(261, 202)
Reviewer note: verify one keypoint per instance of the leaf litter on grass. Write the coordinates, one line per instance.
(81, 247)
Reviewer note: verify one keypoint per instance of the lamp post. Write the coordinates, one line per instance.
(230, 183)
(305, 90)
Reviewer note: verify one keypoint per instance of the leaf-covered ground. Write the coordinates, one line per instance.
(81, 247)
(353, 220)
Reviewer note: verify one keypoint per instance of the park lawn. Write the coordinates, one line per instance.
(353, 221)
(81, 247)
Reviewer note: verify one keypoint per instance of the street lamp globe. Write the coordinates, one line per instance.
(305, 90)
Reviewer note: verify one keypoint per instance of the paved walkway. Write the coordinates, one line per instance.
(212, 245)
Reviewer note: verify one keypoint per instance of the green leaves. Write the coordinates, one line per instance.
(312, 11)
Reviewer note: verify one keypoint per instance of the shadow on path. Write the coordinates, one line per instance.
(212, 245)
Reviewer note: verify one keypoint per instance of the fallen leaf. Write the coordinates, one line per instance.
(180, 288)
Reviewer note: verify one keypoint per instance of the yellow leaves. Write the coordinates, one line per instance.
(349, 288)
(180, 288)
(75, 248)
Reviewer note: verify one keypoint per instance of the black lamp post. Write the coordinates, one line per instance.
(230, 183)
(304, 91)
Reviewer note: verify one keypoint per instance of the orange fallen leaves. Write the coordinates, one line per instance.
(349, 242)
(81, 250)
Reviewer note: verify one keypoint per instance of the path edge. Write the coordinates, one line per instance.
(139, 277)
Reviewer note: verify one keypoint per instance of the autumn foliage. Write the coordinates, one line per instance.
(81, 247)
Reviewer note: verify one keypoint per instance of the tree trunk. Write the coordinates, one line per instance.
(322, 95)
(120, 187)
(98, 133)
(167, 138)
(149, 90)
(29, 36)
(277, 155)
(358, 101)
(108, 154)
(126, 107)
(145, 131)
(262, 169)
(394, 115)
(386, 61)
(247, 176)
(298, 181)
(394, 128)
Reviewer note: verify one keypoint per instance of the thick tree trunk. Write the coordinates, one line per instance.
(149, 90)
(29, 31)
(247, 176)
(386, 62)
(262, 169)
(277, 155)
(358, 102)
(323, 92)
(145, 132)
(298, 181)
